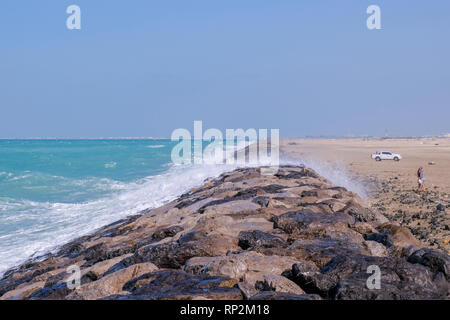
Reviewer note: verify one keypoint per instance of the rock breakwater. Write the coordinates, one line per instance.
(292, 235)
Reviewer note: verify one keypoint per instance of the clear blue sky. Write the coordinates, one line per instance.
(145, 68)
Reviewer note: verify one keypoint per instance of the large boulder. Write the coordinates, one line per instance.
(112, 283)
(306, 224)
(434, 259)
(344, 277)
(241, 265)
(23, 291)
(271, 295)
(394, 237)
(178, 285)
(257, 238)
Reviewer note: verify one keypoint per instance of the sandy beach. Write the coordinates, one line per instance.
(391, 186)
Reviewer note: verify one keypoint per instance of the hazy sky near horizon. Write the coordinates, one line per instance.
(145, 68)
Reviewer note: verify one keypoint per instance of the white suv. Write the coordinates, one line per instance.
(386, 155)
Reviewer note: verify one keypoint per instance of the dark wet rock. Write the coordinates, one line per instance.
(383, 238)
(303, 220)
(271, 295)
(316, 251)
(303, 172)
(73, 248)
(56, 292)
(8, 284)
(442, 284)
(89, 277)
(345, 277)
(397, 275)
(186, 203)
(354, 287)
(362, 214)
(417, 255)
(259, 239)
(102, 252)
(248, 290)
(175, 254)
(23, 292)
(172, 284)
(311, 280)
(408, 251)
(112, 283)
(55, 279)
(434, 259)
(191, 236)
(157, 254)
(120, 227)
(247, 266)
(262, 201)
(243, 195)
(395, 237)
(19, 276)
(157, 236)
(278, 283)
(166, 232)
(95, 253)
(309, 193)
(305, 224)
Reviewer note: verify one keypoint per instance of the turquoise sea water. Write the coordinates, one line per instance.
(76, 170)
(52, 191)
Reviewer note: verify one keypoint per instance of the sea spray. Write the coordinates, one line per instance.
(334, 171)
(39, 227)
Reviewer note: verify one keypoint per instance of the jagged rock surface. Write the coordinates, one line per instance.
(243, 235)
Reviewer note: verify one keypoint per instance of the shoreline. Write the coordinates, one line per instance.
(244, 233)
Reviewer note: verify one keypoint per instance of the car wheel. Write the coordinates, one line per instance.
(396, 159)
(378, 158)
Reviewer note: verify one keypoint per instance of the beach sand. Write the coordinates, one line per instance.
(392, 185)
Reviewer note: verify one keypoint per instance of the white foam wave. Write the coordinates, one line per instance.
(111, 164)
(5, 175)
(335, 172)
(41, 227)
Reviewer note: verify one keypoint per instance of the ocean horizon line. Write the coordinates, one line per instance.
(87, 138)
(441, 136)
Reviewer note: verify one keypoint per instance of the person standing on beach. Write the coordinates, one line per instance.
(421, 179)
